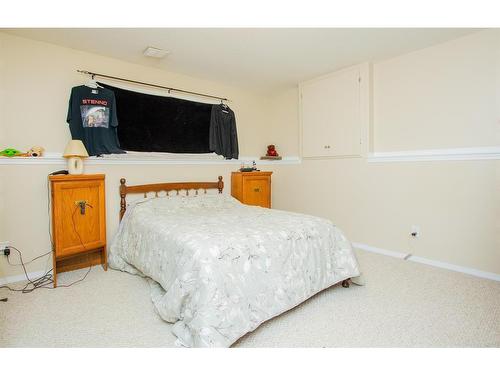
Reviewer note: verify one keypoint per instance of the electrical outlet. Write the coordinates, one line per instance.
(415, 231)
(3, 245)
(4, 250)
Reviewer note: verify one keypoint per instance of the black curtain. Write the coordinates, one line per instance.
(151, 123)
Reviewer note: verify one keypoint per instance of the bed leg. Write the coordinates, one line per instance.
(345, 283)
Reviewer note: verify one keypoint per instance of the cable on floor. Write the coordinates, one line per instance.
(46, 279)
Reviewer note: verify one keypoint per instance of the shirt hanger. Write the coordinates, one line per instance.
(92, 83)
(224, 107)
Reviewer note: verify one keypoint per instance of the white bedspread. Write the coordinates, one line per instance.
(222, 268)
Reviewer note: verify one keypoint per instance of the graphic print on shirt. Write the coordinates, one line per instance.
(95, 113)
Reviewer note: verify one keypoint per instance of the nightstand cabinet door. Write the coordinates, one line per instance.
(72, 227)
(78, 222)
(252, 188)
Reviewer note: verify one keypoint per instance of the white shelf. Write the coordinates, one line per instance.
(57, 159)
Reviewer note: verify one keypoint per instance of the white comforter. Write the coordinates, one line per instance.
(222, 268)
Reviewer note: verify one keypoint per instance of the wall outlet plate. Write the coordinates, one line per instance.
(3, 245)
(415, 229)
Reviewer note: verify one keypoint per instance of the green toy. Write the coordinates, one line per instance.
(10, 152)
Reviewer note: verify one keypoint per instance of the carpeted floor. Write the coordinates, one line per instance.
(403, 304)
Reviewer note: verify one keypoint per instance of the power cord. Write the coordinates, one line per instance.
(46, 279)
(40, 282)
(28, 262)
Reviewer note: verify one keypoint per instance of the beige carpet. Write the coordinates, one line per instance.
(403, 304)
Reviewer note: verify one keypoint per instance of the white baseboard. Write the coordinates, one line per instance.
(21, 277)
(430, 262)
(454, 267)
(373, 249)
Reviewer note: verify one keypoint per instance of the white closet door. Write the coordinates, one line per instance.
(331, 115)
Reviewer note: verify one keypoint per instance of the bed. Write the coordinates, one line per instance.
(219, 268)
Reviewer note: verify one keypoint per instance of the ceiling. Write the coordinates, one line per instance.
(257, 59)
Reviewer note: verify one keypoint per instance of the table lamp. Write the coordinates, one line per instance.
(75, 152)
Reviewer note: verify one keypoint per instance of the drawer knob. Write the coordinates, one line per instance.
(256, 190)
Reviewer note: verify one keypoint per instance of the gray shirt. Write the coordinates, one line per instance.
(223, 138)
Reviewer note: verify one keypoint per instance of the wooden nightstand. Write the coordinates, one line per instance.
(253, 188)
(78, 222)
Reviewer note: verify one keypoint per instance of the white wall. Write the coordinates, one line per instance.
(456, 204)
(36, 79)
(445, 96)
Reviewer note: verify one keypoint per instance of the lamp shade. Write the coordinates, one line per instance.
(75, 148)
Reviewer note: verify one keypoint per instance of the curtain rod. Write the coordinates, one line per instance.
(152, 85)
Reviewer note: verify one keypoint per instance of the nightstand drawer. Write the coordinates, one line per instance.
(252, 188)
(257, 191)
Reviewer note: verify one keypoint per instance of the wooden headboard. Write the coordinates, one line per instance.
(168, 186)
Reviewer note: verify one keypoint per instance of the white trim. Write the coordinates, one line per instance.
(454, 267)
(430, 262)
(54, 158)
(474, 153)
(47, 159)
(21, 277)
(373, 249)
(332, 157)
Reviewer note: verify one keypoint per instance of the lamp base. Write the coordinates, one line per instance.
(75, 165)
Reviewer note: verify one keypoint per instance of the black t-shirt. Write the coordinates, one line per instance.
(92, 119)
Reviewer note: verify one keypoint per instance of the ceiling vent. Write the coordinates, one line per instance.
(155, 52)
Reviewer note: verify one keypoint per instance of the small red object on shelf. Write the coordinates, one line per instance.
(271, 150)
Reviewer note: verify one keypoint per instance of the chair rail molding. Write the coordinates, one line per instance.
(442, 154)
(55, 158)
